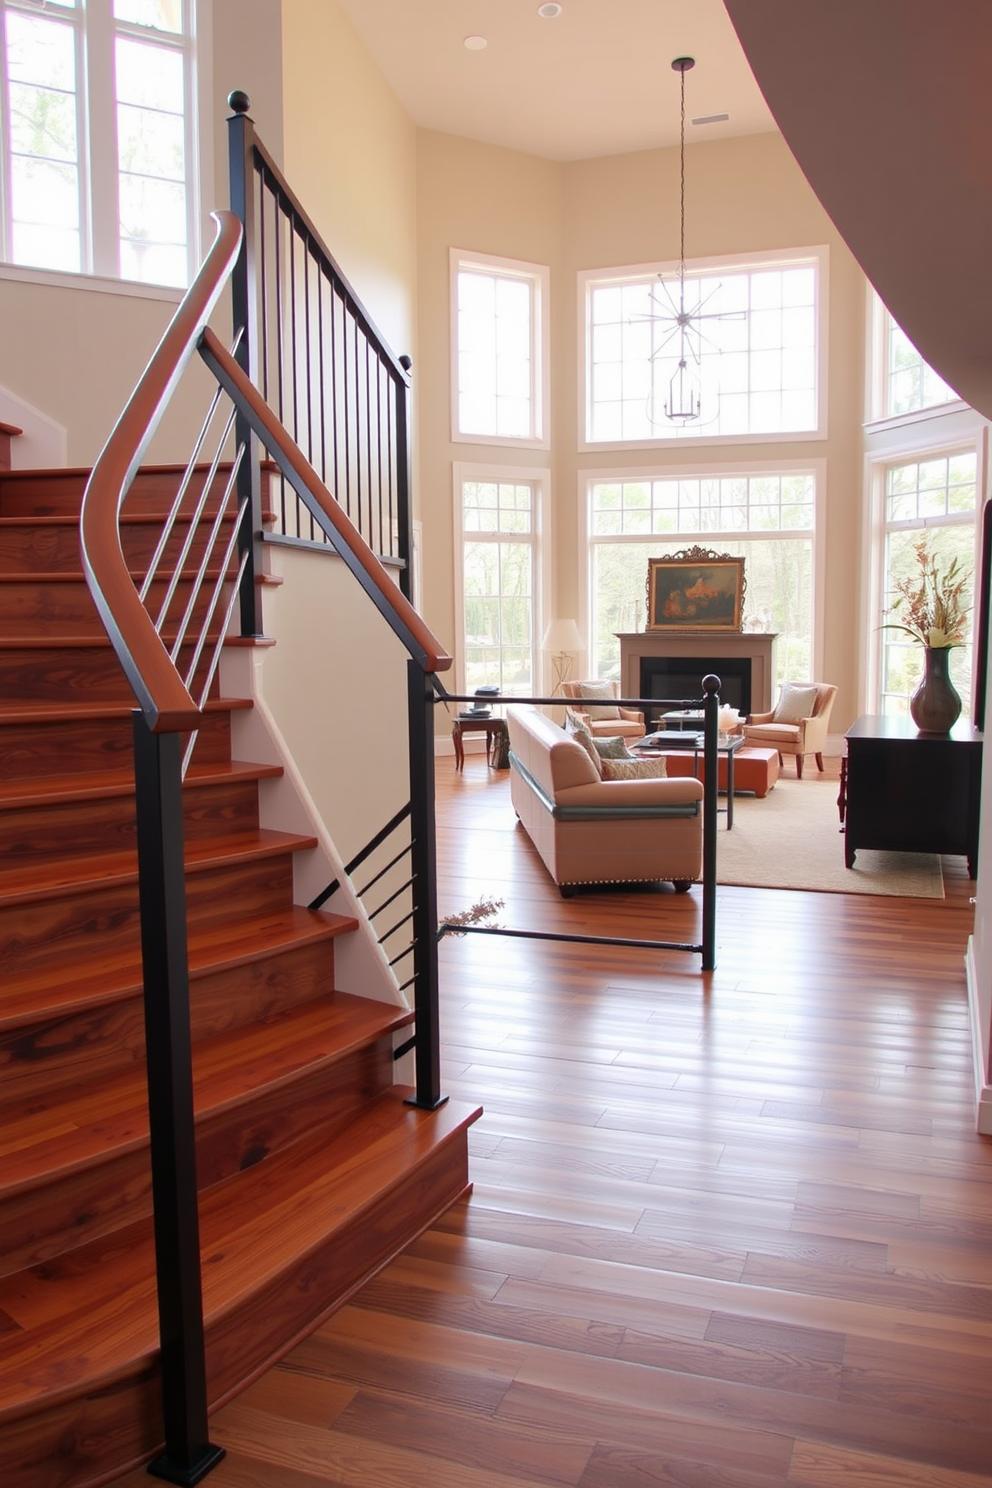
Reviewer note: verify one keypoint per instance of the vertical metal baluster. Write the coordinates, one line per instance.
(423, 866)
(711, 796)
(188, 1453)
(404, 483)
(346, 411)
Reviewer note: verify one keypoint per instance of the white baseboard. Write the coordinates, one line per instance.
(983, 1090)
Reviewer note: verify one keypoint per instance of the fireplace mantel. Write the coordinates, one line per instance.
(706, 646)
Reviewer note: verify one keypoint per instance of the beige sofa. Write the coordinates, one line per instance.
(589, 830)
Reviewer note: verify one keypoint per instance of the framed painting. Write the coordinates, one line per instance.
(695, 590)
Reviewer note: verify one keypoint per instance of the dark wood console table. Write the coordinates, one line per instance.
(910, 792)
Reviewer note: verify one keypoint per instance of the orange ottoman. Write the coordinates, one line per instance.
(754, 769)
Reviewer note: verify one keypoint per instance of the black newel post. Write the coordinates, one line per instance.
(404, 506)
(423, 865)
(711, 792)
(188, 1454)
(244, 311)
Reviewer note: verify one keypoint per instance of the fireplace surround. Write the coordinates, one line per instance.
(672, 664)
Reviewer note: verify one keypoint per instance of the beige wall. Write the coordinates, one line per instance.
(743, 196)
(351, 159)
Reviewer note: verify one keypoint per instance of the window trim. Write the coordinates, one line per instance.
(539, 276)
(96, 234)
(684, 470)
(817, 254)
(877, 463)
(540, 477)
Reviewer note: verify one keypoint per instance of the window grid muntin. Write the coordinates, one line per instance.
(98, 191)
(508, 337)
(614, 315)
(794, 648)
(507, 658)
(702, 504)
(911, 384)
(952, 531)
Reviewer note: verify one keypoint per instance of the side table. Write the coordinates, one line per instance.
(493, 728)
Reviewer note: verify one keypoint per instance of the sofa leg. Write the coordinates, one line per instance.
(682, 885)
(567, 890)
(819, 763)
(799, 767)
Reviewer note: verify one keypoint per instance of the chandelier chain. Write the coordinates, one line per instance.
(682, 190)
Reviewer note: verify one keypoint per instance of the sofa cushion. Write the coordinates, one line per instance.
(634, 769)
(601, 694)
(796, 702)
(610, 747)
(576, 728)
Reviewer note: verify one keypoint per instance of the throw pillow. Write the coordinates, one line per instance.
(634, 769)
(612, 747)
(592, 691)
(796, 702)
(576, 728)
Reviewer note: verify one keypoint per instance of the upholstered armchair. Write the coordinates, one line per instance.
(797, 724)
(591, 701)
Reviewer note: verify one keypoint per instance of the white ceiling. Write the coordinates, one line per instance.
(597, 80)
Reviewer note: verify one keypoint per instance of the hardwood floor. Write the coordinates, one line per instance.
(727, 1231)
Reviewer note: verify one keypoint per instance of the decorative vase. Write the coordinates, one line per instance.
(935, 706)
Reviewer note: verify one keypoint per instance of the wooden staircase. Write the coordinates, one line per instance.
(312, 1170)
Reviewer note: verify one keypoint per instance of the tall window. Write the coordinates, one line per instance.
(936, 496)
(904, 382)
(768, 519)
(500, 580)
(499, 324)
(758, 351)
(96, 173)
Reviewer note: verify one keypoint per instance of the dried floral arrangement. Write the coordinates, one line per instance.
(483, 909)
(930, 604)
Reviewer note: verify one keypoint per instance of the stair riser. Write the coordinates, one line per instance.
(70, 1445)
(40, 833)
(71, 1210)
(80, 746)
(43, 548)
(45, 933)
(67, 609)
(56, 493)
(99, 1042)
(77, 674)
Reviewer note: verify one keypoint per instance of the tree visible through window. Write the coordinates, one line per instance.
(499, 581)
(499, 310)
(766, 519)
(97, 112)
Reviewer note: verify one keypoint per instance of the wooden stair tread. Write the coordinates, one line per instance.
(46, 880)
(43, 995)
(50, 790)
(84, 1126)
(27, 711)
(88, 1318)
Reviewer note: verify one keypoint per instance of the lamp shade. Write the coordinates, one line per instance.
(562, 635)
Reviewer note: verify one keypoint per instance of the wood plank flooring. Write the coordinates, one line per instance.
(727, 1231)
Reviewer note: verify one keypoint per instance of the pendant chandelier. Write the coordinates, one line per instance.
(680, 311)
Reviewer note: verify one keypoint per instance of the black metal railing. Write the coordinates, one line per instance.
(326, 372)
(709, 706)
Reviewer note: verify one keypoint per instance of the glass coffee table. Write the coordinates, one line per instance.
(683, 739)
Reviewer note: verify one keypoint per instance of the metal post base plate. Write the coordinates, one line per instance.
(163, 1467)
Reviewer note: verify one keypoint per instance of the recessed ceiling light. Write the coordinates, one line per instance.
(711, 119)
(549, 11)
(476, 43)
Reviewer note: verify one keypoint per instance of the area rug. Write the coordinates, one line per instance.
(791, 840)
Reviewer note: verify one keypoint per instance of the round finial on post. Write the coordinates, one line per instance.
(711, 685)
(406, 362)
(239, 102)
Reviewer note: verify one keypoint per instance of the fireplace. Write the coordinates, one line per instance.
(672, 664)
(682, 677)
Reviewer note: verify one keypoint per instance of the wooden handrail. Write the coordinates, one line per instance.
(163, 697)
(420, 641)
